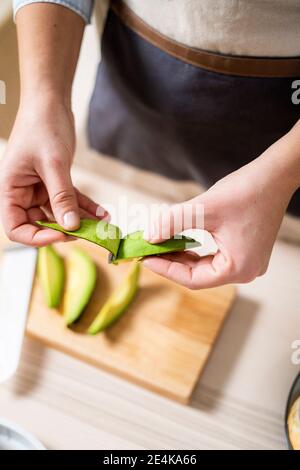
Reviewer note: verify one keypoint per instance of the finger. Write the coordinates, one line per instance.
(90, 206)
(186, 257)
(40, 195)
(207, 272)
(175, 219)
(82, 213)
(48, 212)
(34, 214)
(19, 229)
(87, 215)
(62, 196)
(33, 236)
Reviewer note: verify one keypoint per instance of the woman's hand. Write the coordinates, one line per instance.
(35, 174)
(243, 212)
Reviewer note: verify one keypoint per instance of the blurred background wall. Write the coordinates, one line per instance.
(8, 68)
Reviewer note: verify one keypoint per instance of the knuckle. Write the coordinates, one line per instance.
(6, 180)
(52, 159)
(65, 196)
(225, 268)
(11, 236)
(229, 267)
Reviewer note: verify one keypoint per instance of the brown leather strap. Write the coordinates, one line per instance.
(226, 64)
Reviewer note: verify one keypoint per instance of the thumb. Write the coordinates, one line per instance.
(62, 197)
(174, 219)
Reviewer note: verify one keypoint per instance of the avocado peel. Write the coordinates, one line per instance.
(130, 247)
(95, 231)
(135, 246)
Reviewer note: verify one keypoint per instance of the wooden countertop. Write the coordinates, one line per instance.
(238, 404)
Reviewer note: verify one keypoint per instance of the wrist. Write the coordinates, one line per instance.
(292, 142)
(43, 106)
(44, 98)
(281, 161)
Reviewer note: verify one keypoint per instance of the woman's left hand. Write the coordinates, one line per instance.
(243, 212)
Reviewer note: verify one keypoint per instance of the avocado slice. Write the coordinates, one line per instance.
(51, 274)
(81, 280)
(95, 231)
(118, 302)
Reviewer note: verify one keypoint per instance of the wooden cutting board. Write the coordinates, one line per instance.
(163, 340)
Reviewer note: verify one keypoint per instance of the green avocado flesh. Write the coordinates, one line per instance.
(132, 246)
(101, 233)
(118, 302)
(51, 274)
(81, 280)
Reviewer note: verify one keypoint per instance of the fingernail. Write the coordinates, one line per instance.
(71, 220)
(100, 212)
(106, 217)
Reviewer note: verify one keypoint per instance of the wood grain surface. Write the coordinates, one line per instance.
(163, 340)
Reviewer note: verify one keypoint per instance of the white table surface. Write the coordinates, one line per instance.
(238, 404)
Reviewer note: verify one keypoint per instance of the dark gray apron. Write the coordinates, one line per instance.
(160, 113)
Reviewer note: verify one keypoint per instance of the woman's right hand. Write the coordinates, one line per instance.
(35, 174)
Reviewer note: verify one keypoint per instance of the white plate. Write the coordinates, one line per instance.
(13, 437)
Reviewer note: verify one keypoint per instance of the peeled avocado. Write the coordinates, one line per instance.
(81, 282)
(51, 274)
(117, 302)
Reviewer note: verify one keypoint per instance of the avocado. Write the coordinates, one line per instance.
(134, 246)
(81, 280)
(51, 274)
(95, 231)
(121, 249)
(118, 302)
